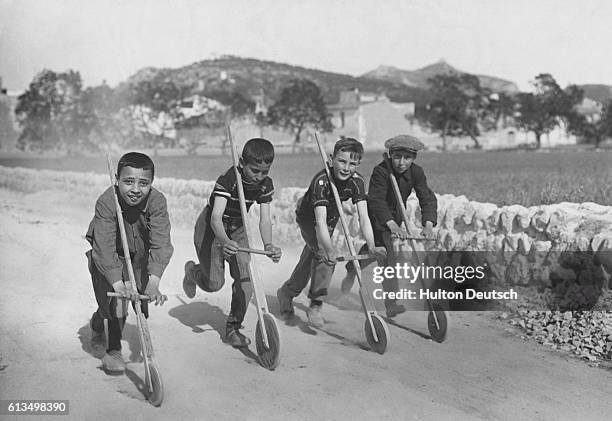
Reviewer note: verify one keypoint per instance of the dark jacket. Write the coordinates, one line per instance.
(148, 234)
(382, 205)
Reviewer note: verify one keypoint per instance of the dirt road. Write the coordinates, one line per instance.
(481, 372)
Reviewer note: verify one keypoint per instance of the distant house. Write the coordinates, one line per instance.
(196, 105)
(202, 119)
(148, 123)
(370, 117)
(590, 109)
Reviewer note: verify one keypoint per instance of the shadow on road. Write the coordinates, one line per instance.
(200, 313)
(141, 386)
(274, 308)
(345, 302)
(96, 345)
(393, 322)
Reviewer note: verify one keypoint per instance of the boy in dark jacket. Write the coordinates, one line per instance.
(147, 226)
(385, 212)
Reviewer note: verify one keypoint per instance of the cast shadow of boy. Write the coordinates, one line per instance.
(95, 345)
(198, 313)
(274, 307)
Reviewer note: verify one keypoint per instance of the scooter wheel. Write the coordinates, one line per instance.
(156, 394)
(269, 357)
(438, 331)
(382, 334)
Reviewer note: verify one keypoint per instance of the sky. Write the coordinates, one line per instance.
(109, 40)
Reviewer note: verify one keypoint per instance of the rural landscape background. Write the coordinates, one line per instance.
(513, 102)
(504, 178)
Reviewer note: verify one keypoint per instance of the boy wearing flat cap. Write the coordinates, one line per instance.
(384, 210)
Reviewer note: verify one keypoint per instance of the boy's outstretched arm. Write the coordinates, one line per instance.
(230, 247)
(323, 239)
(368, 233)
(265, 229)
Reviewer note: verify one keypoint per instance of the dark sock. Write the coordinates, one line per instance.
(229, 326)
(115, 328)
(97, 322)
(317, 303)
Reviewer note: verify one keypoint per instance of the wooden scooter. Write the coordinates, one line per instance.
(267, 335)
(438, 318)
(155, 393)
(376, 331)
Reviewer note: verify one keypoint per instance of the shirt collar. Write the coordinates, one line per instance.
(406, 174)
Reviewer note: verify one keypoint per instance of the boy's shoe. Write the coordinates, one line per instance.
(285, 304)
(113, 361)
(315, 318)
(189, 282)
(347, 282)
(393, 309)
(236, 339)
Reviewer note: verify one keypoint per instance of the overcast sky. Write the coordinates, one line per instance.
(110, 40)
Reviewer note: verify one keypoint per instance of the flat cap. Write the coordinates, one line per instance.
(406, 142)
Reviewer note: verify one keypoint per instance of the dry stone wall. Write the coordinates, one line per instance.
(524, 241)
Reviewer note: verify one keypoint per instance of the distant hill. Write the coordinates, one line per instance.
(418, 78)
(599, 93)
(251, 76)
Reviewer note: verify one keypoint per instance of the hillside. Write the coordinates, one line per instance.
(418, 78)
(250, 76)
(599, 93)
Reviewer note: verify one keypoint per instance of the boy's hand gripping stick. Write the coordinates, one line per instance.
(375, 327)
(437, 320)
(152, 377)
(267, 335)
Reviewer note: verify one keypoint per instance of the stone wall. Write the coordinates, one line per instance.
(538, 246)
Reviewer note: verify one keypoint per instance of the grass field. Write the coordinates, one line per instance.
(504, 177)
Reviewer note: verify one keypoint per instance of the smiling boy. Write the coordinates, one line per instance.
(317, 216)
(219, 232)
(147, 226)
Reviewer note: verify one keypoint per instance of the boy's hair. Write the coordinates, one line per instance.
(136, 160)
(349, 144)
(258, 150)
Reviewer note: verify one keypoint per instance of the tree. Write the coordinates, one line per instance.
(502, 108)
(156, 107)
(237, 103)
(542, 111)
(51, 113)
(112, 120)
(458, 107)
(300, 105)
(595, 128)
